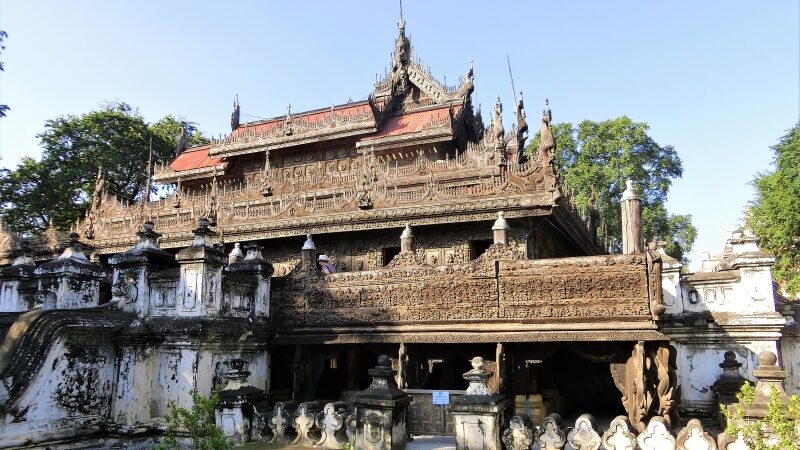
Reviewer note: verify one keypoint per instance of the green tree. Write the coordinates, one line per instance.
(599, 156)
(197, 424)
(3, 35)
(775, 212)
(59, 186)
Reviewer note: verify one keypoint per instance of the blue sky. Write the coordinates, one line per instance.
(718, 80)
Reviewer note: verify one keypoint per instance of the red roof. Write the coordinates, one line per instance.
(414, 122)
(194, 158)
(311, 117)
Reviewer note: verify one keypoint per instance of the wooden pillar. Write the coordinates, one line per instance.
(631, 205)
(298, 374)
(500, 358)
(402, 363)
(353, 365)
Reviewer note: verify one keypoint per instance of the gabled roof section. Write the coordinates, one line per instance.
(407, 70)
(423, 125)
(192, 163)
(195, 158)
(296, 129)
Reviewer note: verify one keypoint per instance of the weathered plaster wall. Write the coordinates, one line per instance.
(698, 368)
(790, 355)
(71, 392)
(10, 299)
(730, 306)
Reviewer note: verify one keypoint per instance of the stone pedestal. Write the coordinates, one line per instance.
(235, 412)
(199, 288)
(130, 285)
(478, 414)
(728, 384)
(769, 377)
(70, 281)
(17, 285)
(381, 411)
(251, 269)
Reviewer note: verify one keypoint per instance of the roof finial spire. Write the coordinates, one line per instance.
(401, 24)
(235, 114)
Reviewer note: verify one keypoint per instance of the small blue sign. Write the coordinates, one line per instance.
(441, 398)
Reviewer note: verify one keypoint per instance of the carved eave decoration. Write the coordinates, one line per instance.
(404, 259)
(439, 128)
(291, 131)
(166, 175)
(500, 252)
(431, 135)
(425, 81)
(352, 219)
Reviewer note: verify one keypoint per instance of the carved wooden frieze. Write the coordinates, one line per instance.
(575, 287)
(592, 287)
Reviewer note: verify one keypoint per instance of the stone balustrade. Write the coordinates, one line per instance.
(334, 425)
(586, 435)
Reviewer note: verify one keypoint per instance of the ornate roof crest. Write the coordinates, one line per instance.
(235, 114)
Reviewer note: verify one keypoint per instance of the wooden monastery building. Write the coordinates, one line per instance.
(447, 240)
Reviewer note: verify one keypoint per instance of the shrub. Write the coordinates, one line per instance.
(197, 424)
(778, 430)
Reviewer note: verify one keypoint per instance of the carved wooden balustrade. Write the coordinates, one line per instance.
(496, 298)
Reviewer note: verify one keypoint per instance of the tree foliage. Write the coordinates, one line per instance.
(775, 212)
(600, 156)
(3, 35)
(58, 187)
(197, 424)
(778, 430)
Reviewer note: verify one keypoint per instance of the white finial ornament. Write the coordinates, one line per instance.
(407, 232)
(630, 190)
(501, 223)
(309, 244)
(236, 254)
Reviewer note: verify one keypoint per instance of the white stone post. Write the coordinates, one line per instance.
(17, 285)
(308, 254)
(200, 284)
(407, 240)
(500, 229)
(70, 281)
(130, 284)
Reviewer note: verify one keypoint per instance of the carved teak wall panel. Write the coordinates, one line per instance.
(484, 290)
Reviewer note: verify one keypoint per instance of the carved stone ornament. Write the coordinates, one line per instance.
(280, 423)
(351, 423)
(694, 437)
(331, 423)
(725, 442)
(124, 291)
(304, 423)
(656, 436)
(619, 435)
(478, 377)
(520, 433)
(730, 381)
(551, 435)
(585, 435)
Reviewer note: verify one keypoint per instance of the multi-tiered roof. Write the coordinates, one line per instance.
(413, 151)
